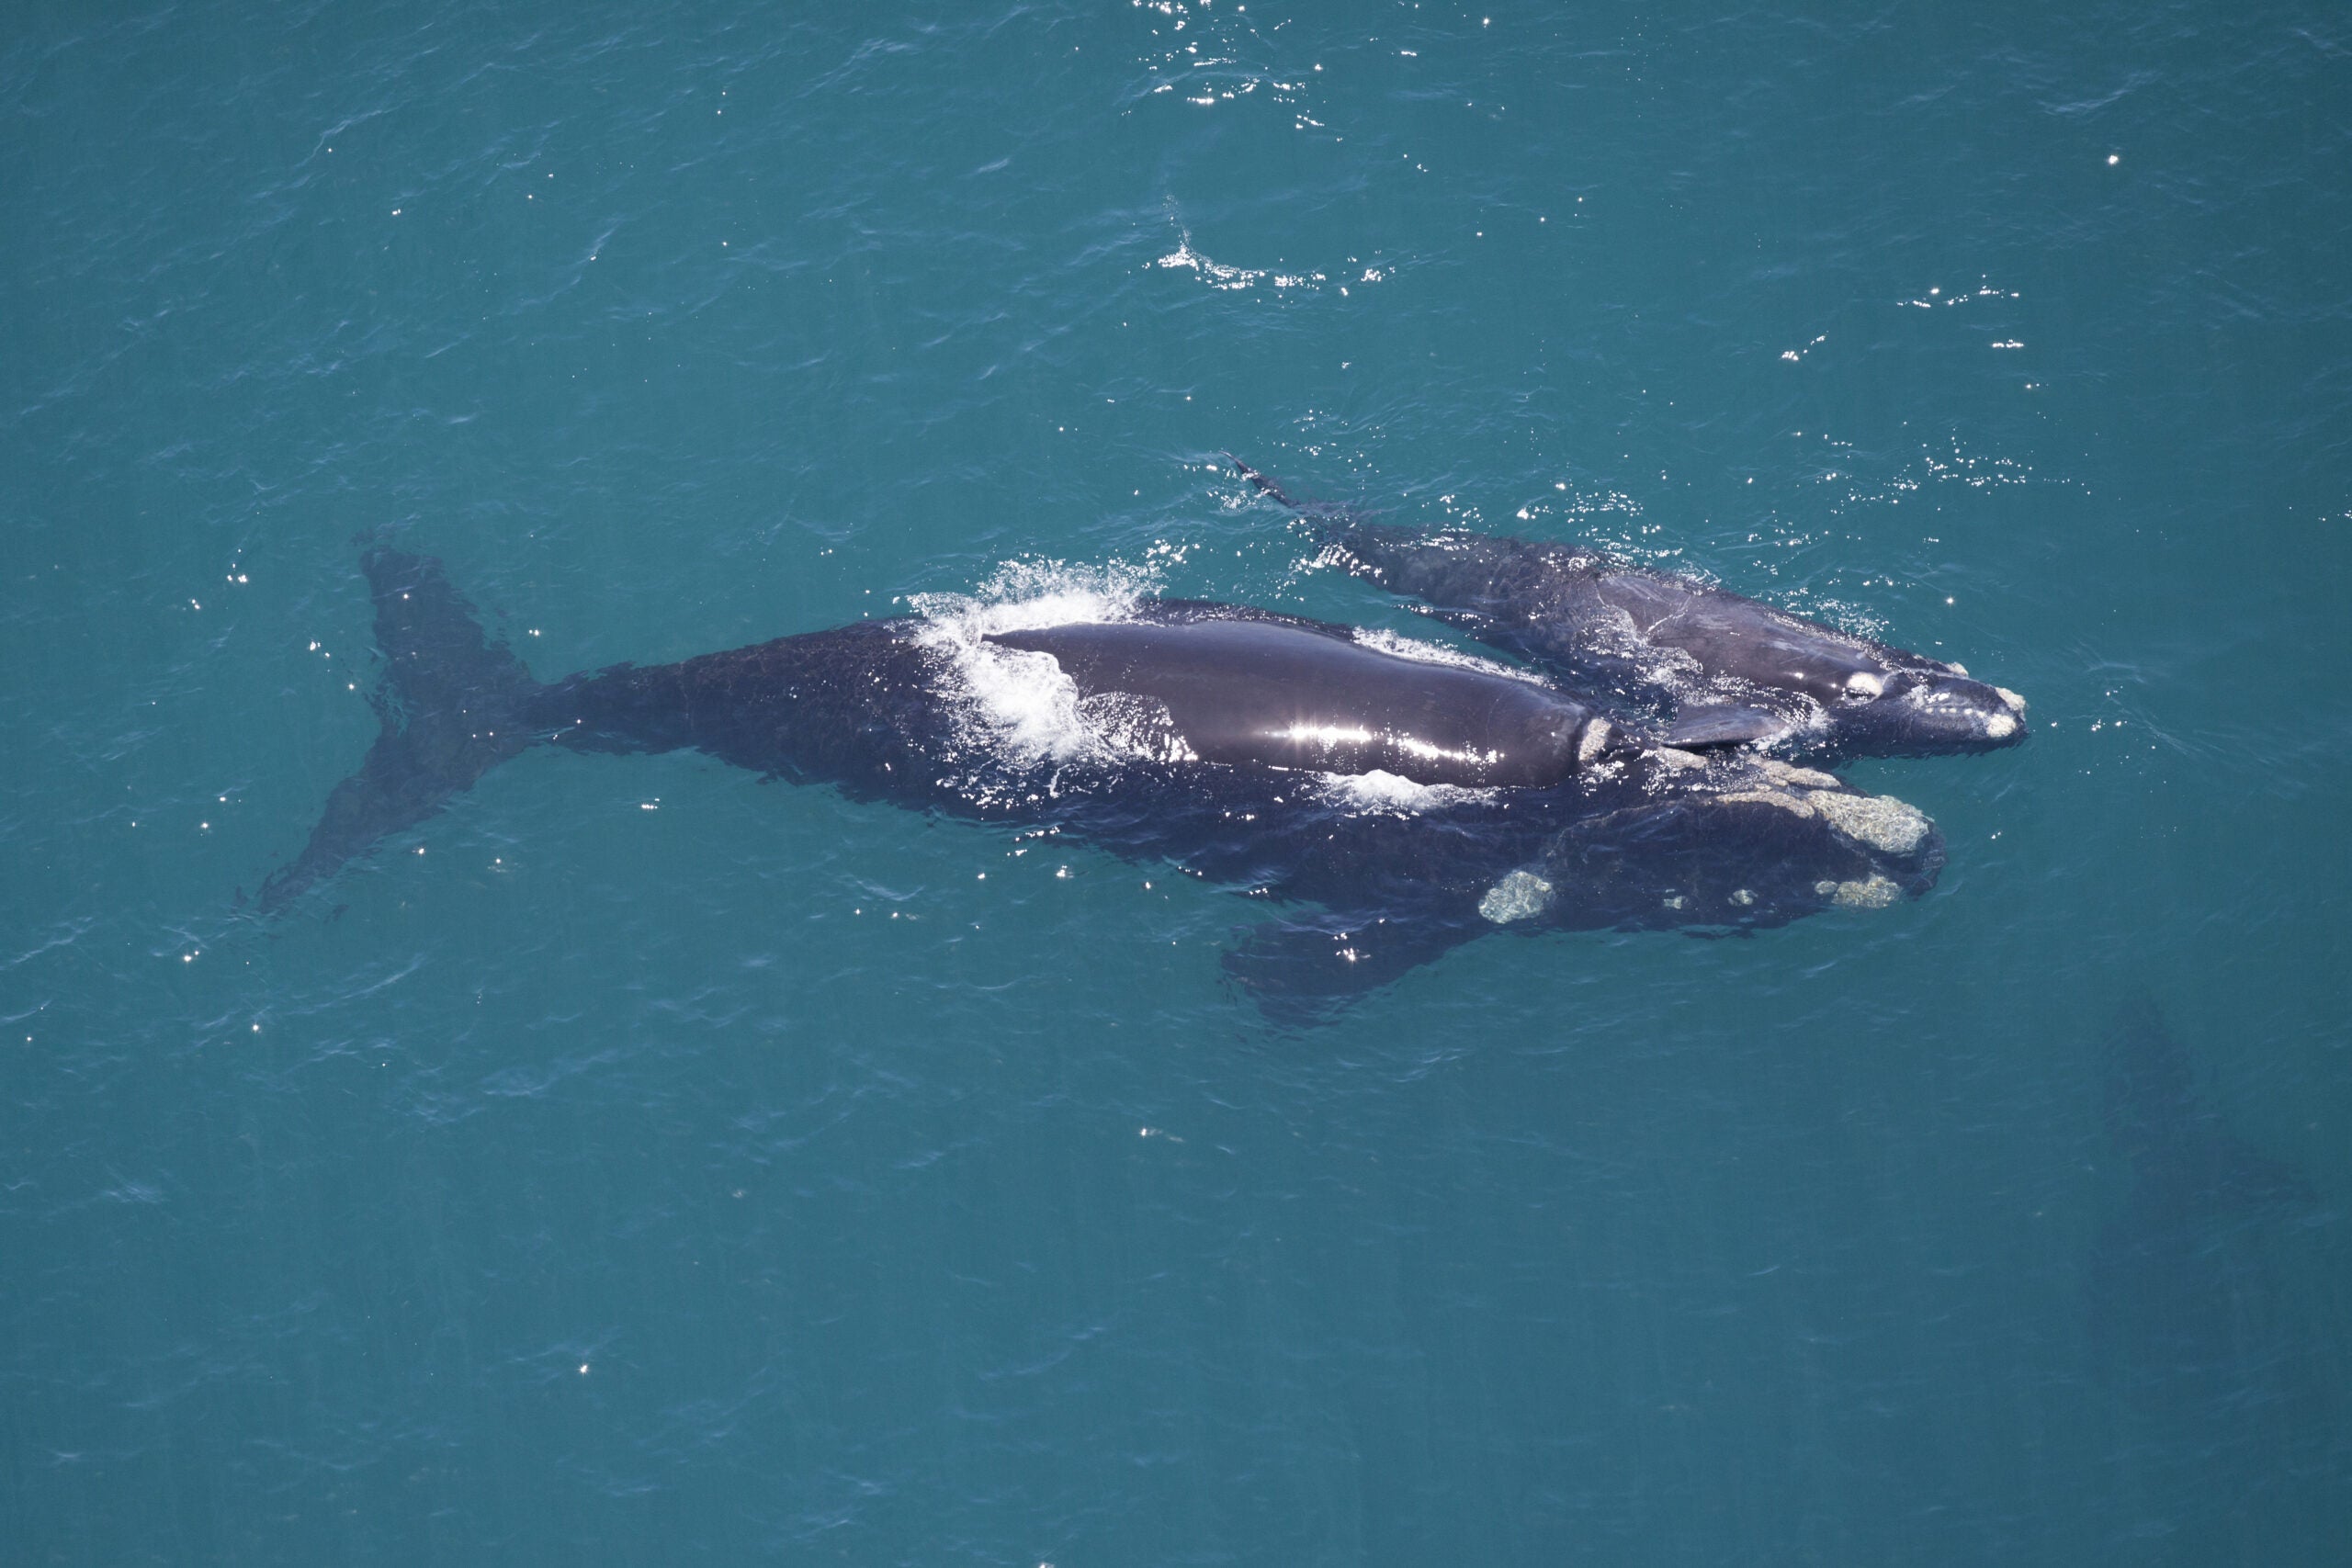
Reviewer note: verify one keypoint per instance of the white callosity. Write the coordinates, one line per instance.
(1879, 820)
(2001, 726)
(1518, 896)
(1874, 892)
(1789, 777)
(1995, 725)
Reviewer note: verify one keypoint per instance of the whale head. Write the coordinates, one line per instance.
(1927, 710)
(1728, 841)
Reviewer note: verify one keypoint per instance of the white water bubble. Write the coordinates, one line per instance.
(1379, 792)
(1018, 703)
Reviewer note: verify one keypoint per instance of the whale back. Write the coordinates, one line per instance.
(1283, 694)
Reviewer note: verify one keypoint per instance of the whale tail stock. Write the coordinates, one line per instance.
(454, 705)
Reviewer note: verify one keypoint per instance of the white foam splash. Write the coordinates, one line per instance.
(1218, 274)
(1018, 704)
(1380, 641)
(1382, 793)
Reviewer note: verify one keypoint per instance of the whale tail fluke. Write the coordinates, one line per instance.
(454, 705)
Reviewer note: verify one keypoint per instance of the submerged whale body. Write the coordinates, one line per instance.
(2184, 1314)
(1416, 803)
(1718, 668)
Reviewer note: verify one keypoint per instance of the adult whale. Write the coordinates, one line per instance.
(1274, 691)
(1301, 789)
(1721, 668)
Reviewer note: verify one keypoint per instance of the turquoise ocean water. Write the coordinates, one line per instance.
(640, 1164)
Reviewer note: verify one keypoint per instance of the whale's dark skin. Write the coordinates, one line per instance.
(1635, 839)
(1294, 695)
(1719, 668)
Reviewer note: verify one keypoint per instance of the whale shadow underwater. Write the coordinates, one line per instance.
(1397, 799)
(2184, 1307)
(2202, 1322)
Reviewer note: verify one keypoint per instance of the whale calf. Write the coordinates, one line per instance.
(1527, 815)
(1719, 669)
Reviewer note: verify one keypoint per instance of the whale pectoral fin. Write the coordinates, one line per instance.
(1732, 725)
(1307, 971)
